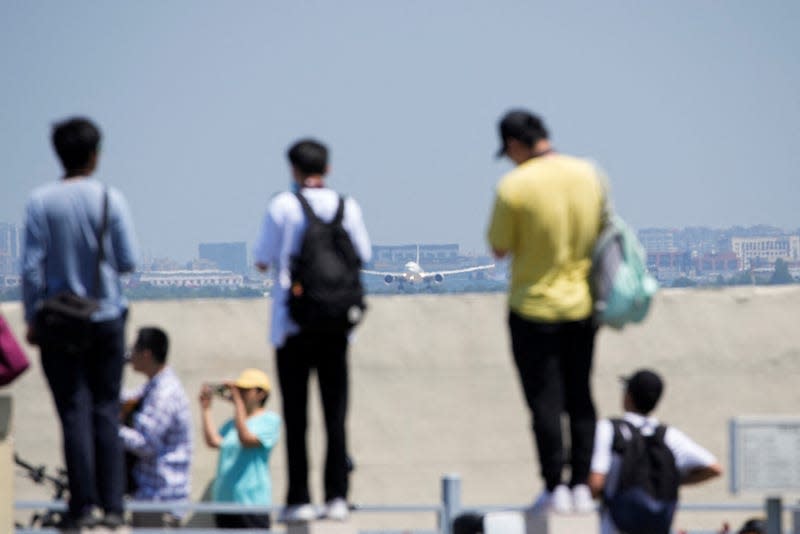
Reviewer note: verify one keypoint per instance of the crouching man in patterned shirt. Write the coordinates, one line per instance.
(156, 431)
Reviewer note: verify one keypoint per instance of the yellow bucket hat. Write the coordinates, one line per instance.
(253, 378)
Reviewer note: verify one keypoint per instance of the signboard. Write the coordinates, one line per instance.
(765, 453)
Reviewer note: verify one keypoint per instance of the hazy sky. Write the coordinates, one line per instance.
(693, 107)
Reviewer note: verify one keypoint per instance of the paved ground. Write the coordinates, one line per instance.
(434, 390)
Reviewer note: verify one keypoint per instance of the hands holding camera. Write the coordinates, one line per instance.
(248, 394)
(226, 390)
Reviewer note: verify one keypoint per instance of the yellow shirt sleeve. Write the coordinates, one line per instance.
(501, 228)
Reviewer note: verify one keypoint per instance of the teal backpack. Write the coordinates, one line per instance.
(621, 286)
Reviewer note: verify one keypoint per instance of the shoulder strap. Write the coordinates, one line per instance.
(660, 432)
(101, 250)
(607, 209)
(309, 213)
(618, 441)
(337, 219)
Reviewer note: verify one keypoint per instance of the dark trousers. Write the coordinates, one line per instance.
(554, 361)
(327, 353)
(85, 388)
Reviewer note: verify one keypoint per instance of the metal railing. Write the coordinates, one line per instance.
(445, 511)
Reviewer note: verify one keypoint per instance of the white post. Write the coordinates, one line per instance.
(451, 502)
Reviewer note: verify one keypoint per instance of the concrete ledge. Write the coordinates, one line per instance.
(6, 466)
(522, 523)
(5, 416)
(430, 355)
(321, 527)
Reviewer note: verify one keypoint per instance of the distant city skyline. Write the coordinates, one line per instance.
(675, 256)
(8, 243)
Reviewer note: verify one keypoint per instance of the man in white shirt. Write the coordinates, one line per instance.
(298, 351)
(643, 390)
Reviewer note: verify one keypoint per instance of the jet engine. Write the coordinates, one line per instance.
(388, 279)
(438, 278)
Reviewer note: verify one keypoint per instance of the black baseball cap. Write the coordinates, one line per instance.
(520, 124)
(645, 388)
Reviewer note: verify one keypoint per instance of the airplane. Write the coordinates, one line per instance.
(412, 273)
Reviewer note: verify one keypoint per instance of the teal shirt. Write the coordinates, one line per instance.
(243, 472)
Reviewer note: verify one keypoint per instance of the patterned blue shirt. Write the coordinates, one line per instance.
(161, 436)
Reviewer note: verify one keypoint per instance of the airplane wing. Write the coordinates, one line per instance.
(388, 277)
(468, 269)
(383, 273)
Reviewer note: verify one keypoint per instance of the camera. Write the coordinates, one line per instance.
(221, 390)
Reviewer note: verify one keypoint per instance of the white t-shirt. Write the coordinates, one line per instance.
(688, 454)
(280, 237)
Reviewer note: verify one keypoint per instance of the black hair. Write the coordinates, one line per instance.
(643, 402)
(754, 525)
(155, 340)
(523, 126)
(265, 399)
(308, 156)
(75, 141)
(644, 387)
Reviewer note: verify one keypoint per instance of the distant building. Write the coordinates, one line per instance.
(10, 248)
(713, 264)
(226, 256)
(184, 278)
(658, 240)
(386, 256)
(200, 265)
(762, 251)
(668, 266)
(159, 264)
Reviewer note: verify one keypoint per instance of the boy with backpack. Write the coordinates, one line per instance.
(638, 463)
(316, 242)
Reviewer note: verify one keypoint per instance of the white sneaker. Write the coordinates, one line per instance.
(336, 509)
(582, 501)
(298, 513)
(559, 501)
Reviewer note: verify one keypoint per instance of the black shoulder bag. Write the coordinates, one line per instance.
(63, 321)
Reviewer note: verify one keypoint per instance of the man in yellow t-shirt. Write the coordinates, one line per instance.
(546, 217)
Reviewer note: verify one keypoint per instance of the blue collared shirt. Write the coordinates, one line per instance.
(161, 436)
(62, 223)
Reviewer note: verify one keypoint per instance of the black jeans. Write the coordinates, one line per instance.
(554, 361)
(327, 353)
(85, 388)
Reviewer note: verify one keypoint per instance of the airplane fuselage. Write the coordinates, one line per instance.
(413, 272)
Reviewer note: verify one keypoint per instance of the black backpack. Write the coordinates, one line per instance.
(646, 493)
(326, 294)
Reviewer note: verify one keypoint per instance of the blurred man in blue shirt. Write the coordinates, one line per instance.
(61, 249)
